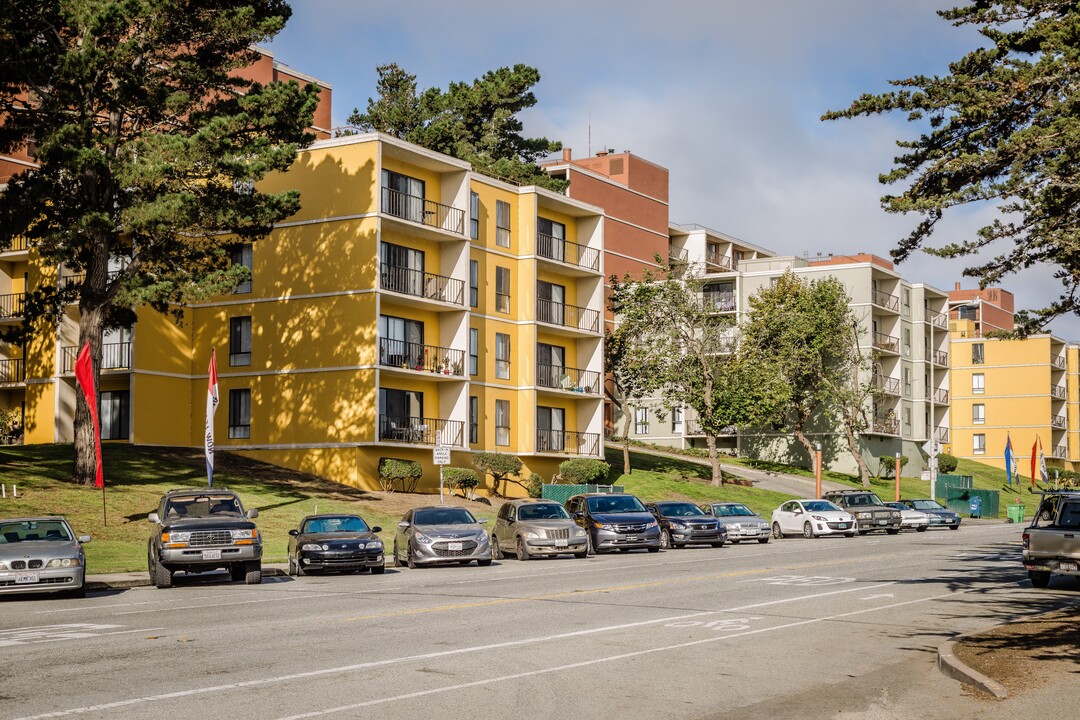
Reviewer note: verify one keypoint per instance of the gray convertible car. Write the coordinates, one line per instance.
(41, 554)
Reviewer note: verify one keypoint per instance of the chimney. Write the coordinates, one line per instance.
(566, 153)
(957, 288)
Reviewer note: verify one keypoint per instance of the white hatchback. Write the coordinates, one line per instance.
(811, 518)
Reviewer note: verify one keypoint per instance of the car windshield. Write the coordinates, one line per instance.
(897, 506)
(337, 524)
(819, 506)
(542, 511)
(201, 506)
(615, 504)
(443, 516)
(679, 510)
(927, 505)
(863, 499)
(732, 510)
(27, 530)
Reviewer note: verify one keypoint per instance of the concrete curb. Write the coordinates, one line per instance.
(123, 581)
(951, 666)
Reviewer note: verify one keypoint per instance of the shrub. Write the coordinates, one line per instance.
(946, 463)
(463, 479)
(535, 485)
(584, 471)
(499, 466)
(392, 470)
(887, 464)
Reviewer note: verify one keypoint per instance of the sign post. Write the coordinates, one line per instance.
(441, 457)
(932, 448)
(817, 469)
(897, 473)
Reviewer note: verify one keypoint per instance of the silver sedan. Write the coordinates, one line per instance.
(440, 534)
(41, 554)
(741, 522)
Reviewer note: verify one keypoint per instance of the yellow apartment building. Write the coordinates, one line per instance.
(411, 302)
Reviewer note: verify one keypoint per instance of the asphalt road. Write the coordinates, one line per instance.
(796, 628)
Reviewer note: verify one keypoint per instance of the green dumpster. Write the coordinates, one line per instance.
(1015, 513)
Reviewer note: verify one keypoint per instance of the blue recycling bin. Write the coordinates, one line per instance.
(975, 507)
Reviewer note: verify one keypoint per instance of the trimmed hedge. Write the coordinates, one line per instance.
(946, 463)
(461, 478)
(584, 471)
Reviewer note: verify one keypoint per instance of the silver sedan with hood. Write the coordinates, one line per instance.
(439, 534)
(741, 522)
(41, 554)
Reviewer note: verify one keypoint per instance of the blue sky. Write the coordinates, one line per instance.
(726, 94)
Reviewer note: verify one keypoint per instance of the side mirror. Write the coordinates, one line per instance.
(84, 538)
(294, 532)
(253, 513)
(482, 521)
(376, 529)
(153, 517)
(403, 524)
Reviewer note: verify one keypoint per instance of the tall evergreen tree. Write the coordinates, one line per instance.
(149, 145)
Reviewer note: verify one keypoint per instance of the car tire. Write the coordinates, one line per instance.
(863, 532)
(80, 592)
(483, 563)
(409, 558)
(735, 542)
(665, 539)
(238, 571)
(589, 549)
(653, 549)
(763, 541)
(292, 567)
(397, 558)
(921, 528)
(849, 534)
(1045, 516)
(378, 569)
(776, 532)
(162, 576)
(893, 531)
(954, 527)
(522, 549)
(253, 572)
(582, 555)
(496, 549)
(1039, 578)
(718, 544)
(808, 531)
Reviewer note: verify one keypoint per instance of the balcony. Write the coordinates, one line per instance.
(11, 371)
(416, 357)
(885, 426)
(938, 320)
(570, 253)
(568, 379)
(715, 262)
(941, 396)
(718, 301)
(568, 316)
(418, 283)
(679, 257)
(886, 343)
(887, 385)
(941, 434)
(421, 431)
(886, 301)
(1057, 392)
(18, 244)
(419, 210)
(1059, 451)
(11, 306)
(114, 356)
(568, 442)
(1058, 421)
(1059, 362)
(939, 357)
(693, 428)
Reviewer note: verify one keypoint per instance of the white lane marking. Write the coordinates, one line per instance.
(411, 658)
(875, 597)
(132, 604)
(801, 580)
(60, 633)
(721, 625)
(276, 598)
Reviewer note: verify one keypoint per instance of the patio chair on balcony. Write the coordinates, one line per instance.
(566, 383)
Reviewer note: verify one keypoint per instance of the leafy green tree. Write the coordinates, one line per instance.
(394, 470)
(584, 471)
(148, 145)
(463, 479)
(1001, 128)
(887, 465)
(946, 463)
(500, 467)
(853, 389)
(475, 121)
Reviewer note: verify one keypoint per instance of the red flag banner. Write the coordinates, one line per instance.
(84, 373)
(1034, 455)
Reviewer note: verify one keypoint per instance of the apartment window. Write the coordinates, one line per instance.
(978, 383)
(474, 419)
(474, 351)
(114, 413)
(550, 424)
(677, 420)
(401, 342)
(502, 356)
(978, 354)
(239, 414)
(905, 295)
(474, 216)
(907, 342)
(907, 421)
(978, 414)
(979, 443)
(641, 421)
(550, 303)
(241, 255)
(550, 239)
(907, 382)
(402, 196)
(502, 289)
(502, 223)
(502, 422)
(474, 283)
(239, 341)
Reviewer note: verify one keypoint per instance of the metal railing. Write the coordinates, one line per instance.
(887, 385)
(713, 257)
(567, 378)
(572, 316)
(421, 210)
(887, 343)
(114, 356)
(678, 256)
(18, 244)
(553, 248)
(887, 301)
(939, 357)
(941, 434)
(1059, 451)
(1059, 362)
(937, 319)
(417, 356)
(1058, 421)
(422, 284)
(885, 425)
(11, 306)
(11, 371)
(1058, 392)
(421, 431)
(568, 442)
(718, 301)
(941, 396)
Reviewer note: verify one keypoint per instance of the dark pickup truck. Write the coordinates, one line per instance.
(201, 530)
(1052, 542)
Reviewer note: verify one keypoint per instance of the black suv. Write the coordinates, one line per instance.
(684, 523)
(201, 530)
(870, 513)
(614, 521)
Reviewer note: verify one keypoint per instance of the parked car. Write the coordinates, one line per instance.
(870, 513)
(441, 534)
(683, 523)
(529, 527)
(202, 530)
(336, 543)
(41, 554)
(1051, 545)
(741, 522)
(811, 518)
(614, 521)
(910, 518)
(940, 516)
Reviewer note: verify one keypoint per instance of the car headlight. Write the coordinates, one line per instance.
(374, 545)
(678, 525)
(175, 537)
(482, 537)
(422, 538)
(313, 547)
(579, 532)
(602, 526)
(242, 534)
(735, 526)
(64, 562)
(651, 524)
(3, 566)
(895, 515)
(820, 518)
(863, 515)
(531, 534)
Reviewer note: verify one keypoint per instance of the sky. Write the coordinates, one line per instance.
(726, 94)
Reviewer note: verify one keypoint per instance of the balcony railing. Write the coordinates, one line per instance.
(941, 434)
(421, 430)
(416, 356)
(569, 379)
(885, 425)
(564, 251)
(1059, 362)
(887, 343)
(1059, 451)
(421, 210)
(941, 396)
(713, 257)
(18, 244)
(887, 301)
(568, 442)
(571, 316)
(1058, 392)
(887, 385)
(939, 357)
(114, 356)
(678, 256)
(11, 306)
(693, 427)
(937, 319)
(1058, 421)
(718, 301)
(422, 284)
(11, 371)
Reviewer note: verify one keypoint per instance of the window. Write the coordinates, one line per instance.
(402, 196)
(502, 422)
(977, 354)
(241, 255)
(907, 382)
(401, 417)
(677, 420)
(551, 367)
(907, 421)
(641, 421)
(550, 423)
(239, 414)
(474, 350)
(502, 289)
(978, 383)
(978, 414)
(550, 299)
(907, 342)
(402, 269)
(474, 216)
(474, 283)
(115, 408)
(979, 443)
(502, 223)
(401, 342)
(502, 356)
(239, 341)
(905, 294)
(550, 239)
(474, 419)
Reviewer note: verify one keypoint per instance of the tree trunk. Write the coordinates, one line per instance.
(91, 328)
(626, 442)
(810, 449)
(717, 473)
(853, 448)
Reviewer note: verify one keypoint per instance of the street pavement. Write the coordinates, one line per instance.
(833, 627)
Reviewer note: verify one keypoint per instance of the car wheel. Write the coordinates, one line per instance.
(80, 592)
(162, 576)
(653, 549)
(776, 532)
(397, 558)
(582, 555)
(763, 541)
(292, 567)
(808, 530)
(1045, 516)
(863, 532)
(589, 549)
(735, 542)
(718, 544)
(849, 534)
(665, 539)
(496, 550)
(409, 558)
(463, 563)
(921, 528)
(253, 572)
(1039, 578)
(954, 527)
(237, 572)
(522, 549)
(893, 531)
(378, 569)
(483, 563)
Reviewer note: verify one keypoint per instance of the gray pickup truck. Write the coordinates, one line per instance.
(1052, 541)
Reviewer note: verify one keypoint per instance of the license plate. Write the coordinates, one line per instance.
(26, 578)
(841, 525)
(211, 554)
(882, 522)
(562, 543)
(1067, 567)
(455, 546)
(631, 538)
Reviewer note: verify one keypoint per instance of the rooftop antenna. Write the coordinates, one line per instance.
(590, 133)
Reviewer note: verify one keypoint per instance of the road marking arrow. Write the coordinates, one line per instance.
(875, 597)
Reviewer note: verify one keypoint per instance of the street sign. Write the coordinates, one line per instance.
(441, 455)
(932, 447)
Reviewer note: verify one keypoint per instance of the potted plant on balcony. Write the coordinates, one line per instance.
(457, 367)
(445, 366)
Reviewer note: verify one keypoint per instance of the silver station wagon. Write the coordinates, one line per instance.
(41, 554)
